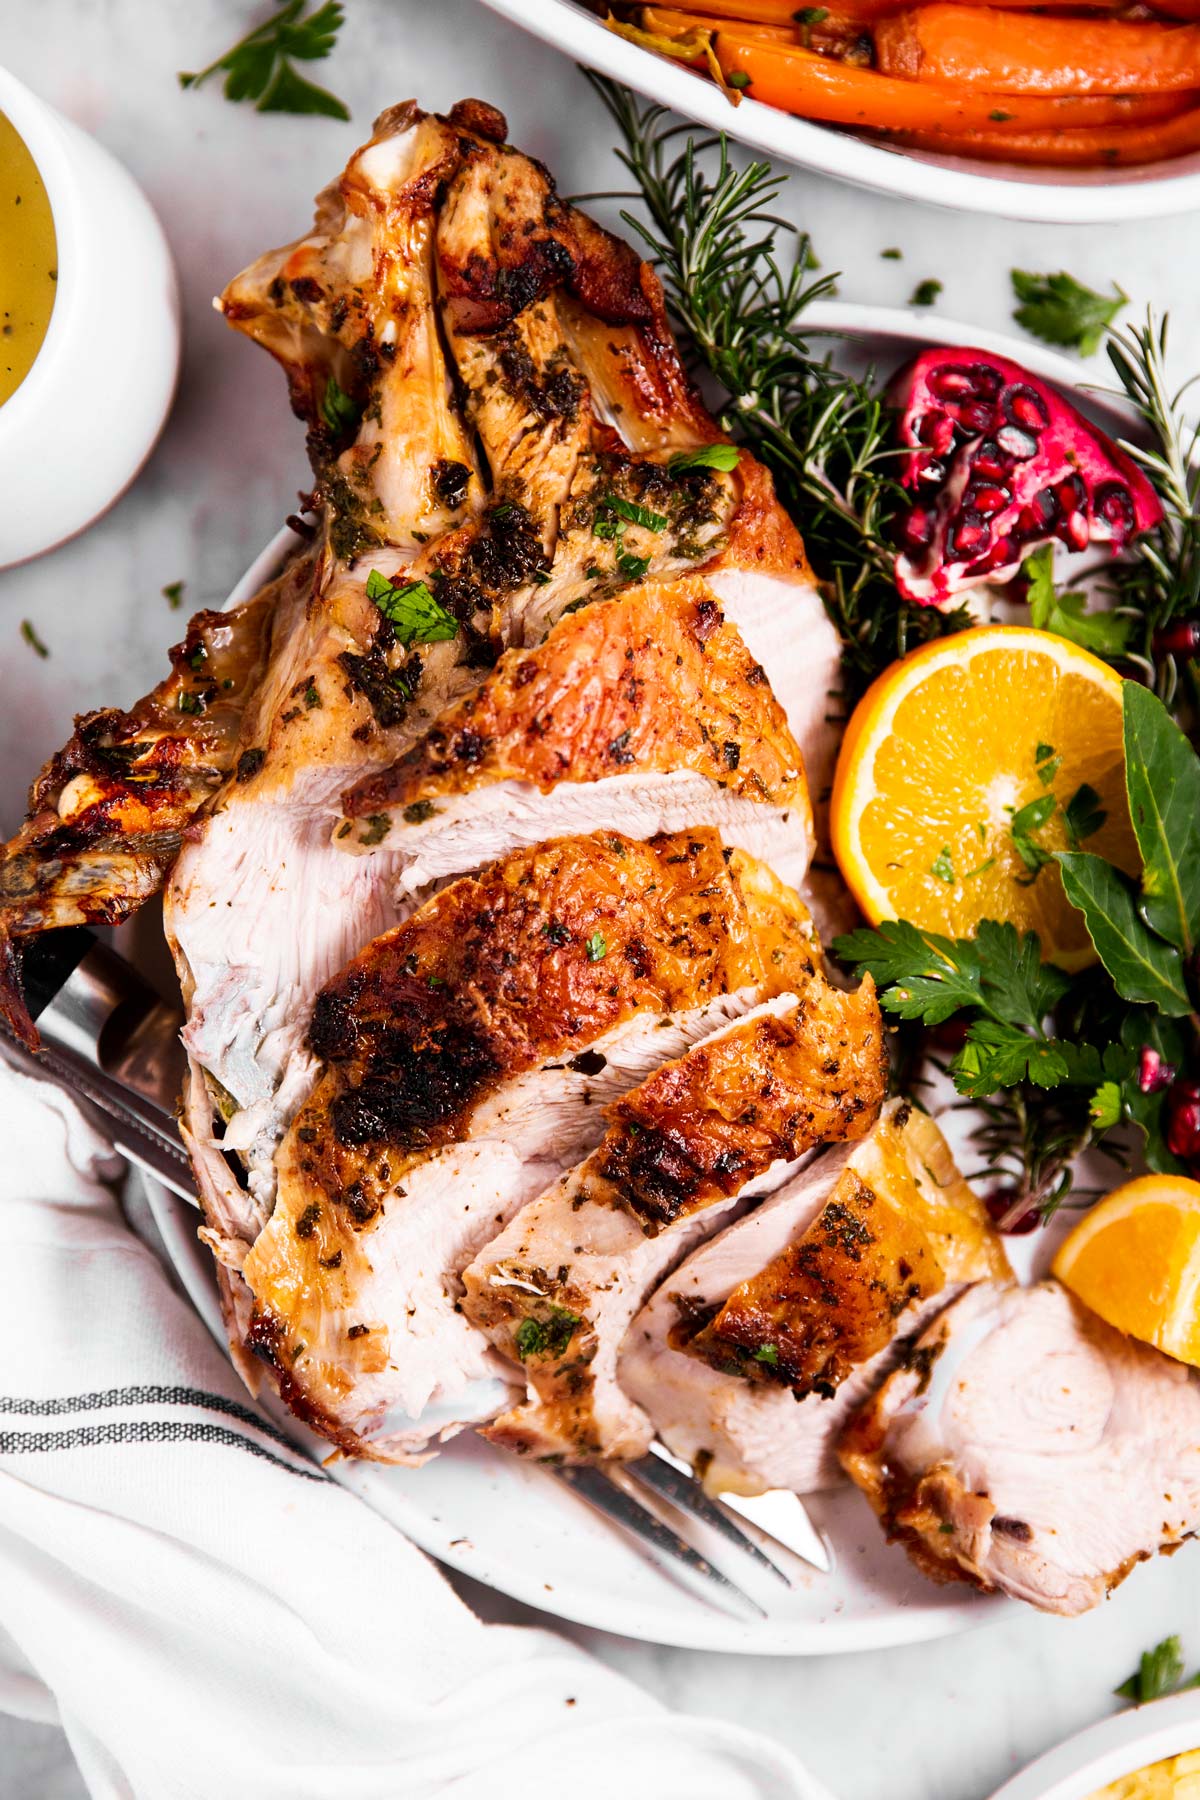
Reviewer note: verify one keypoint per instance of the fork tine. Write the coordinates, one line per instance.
(618, 1504)
(685, 1492)
(778, 1515)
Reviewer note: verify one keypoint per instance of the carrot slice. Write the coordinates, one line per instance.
(1084, 147)
(783, 12)
(667, 21)
(1026, 53)
(817, 87)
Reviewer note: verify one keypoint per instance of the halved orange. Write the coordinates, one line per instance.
(968, 763)
(1135, 1260)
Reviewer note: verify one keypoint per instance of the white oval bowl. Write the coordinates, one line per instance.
(1118, 1746)
(78, 429)
(1053, 196)
(515, 1527)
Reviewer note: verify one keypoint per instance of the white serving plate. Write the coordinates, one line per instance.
(1118, 1746)
(1056, 196)
(514, 1526)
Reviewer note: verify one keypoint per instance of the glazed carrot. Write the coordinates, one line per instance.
(1084, 148)
(667, 21)
(817, 87)
(1025, 53)
(840, 28)
(782, 12)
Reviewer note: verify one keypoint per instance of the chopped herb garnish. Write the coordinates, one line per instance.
(632, 567)
(1046, 763)
(338, 410)
(738, 78)
(312, 697)
(767, 1353)
(1160, 1672)
(259, 66)
(1001, 117)
(32, 639)
(173, 595)
(417, 812)
(1025, 821)
(892, 254)
(546, 1337)
(925, 293)
(982, 869)
(189, 702)
(411, 610)
(1083, 814)
(634, 514)
(378, 825)
(597, 949)
(942, 866)
(711, 456)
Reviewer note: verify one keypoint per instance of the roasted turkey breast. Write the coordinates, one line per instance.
(1026, 1446)
(464, 1058)
(557, 1288)
(751, 1356)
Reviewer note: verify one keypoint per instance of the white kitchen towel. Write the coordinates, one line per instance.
(205, 1612)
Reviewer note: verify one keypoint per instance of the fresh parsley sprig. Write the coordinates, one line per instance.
(260, 66)
(1060, 310)
(1160, 1672)
(1060, 1062)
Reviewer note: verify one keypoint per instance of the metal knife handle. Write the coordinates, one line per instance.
(48, 961)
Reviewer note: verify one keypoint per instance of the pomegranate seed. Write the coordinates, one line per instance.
(990, 461)
(1183, 1120)
(1114, 505)
(1019, 444)
(985, 381)
(1000, 1205)
(1045, 505)
(987, 499)
(950, 384)
(1071, 494)
(977, 416)
(937, 432)
(970, 535)
(1180, 639)
(1153, 1073)
(1025, 407)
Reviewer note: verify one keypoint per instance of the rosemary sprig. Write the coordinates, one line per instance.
(1159, 585)
(739, 302)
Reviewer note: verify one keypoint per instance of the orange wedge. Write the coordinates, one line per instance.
(965, 767)
(1135, 1260)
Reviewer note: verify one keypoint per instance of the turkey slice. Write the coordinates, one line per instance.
(1026, 1446)
(754, 1353)
(557, 1289)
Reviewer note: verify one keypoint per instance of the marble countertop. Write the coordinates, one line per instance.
(946, 1721)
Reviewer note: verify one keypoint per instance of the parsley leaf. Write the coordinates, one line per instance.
(942, 866)
(411, 610)
(597, 949)
(633, 513)
(632, 567)
(925, 293)
(1160, 1672)
(711, 456)
(173, 594)
(546, 1337)
(259, 68)
(923, 976)
(1105, 633)
(1060, 310)
(338, 410)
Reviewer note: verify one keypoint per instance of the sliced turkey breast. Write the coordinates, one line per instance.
(557, 1288)
(646, 710)
(107, 813)
(1026, 1446)
(464, 1058)
(751, 1357)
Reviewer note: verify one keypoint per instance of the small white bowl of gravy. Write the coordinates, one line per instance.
(89, 327)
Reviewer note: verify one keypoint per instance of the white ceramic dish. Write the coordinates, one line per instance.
(1118, 1746)
(87, 415)
(1058, 196)
(518, 1529)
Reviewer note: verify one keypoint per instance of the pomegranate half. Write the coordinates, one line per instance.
(1000, 463)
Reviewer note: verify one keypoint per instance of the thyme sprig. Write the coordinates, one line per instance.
(736, 279)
